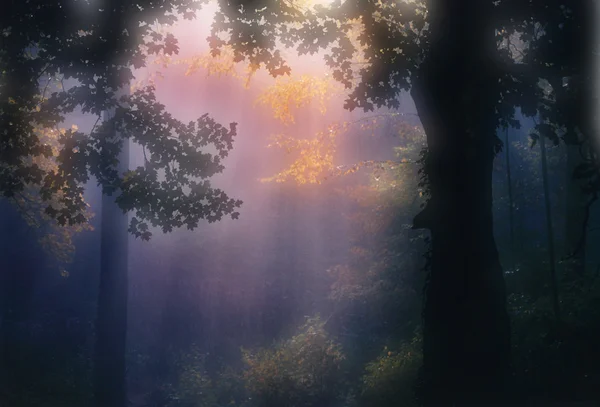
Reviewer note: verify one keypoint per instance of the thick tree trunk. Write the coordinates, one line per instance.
(581, 141)
(466, 349)
(111, 324)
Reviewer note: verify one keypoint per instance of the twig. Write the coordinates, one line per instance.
(95, 124)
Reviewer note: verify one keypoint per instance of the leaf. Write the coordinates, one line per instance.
(294, 93)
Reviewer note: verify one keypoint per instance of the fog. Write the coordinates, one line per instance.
(337, 261)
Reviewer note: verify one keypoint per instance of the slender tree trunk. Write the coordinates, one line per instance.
(21, 260)
(575, 225)
(111, 324)
(511, 204)
(549, 231)
(466, 349)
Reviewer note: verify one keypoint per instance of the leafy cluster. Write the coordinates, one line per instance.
(302, 371)
(314, 158)
(391, 376)
(95, 57)
(391, 35)
(297, 92)
(376, 50)
(381, 223)
(194, 388)
(57, 239)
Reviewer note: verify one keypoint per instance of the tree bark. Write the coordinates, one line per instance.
(466, 328)
(111, 324)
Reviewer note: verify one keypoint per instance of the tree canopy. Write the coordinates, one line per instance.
(75, 58)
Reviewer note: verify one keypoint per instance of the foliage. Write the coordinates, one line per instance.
(314, 157)
(394, 31)
(527, 198)
(98, 59)
(383, 249)
(556, 361)
(57, 240)
(194, 387)
(222, 64)
(314, 160)
(377, 292)
(305, 370)
(392, 376)
(540, 56)
(297, 92)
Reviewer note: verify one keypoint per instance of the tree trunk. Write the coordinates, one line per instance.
(549, 231)
(581, 141)
(575, 227)
(111, 324)
(21, 260)
(511, 204)
(466, 329)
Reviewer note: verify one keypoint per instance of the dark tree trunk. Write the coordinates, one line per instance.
(549, 231)
(111, 323)
(511, 204)
(466, 329)
(576, 222)
(21, 260)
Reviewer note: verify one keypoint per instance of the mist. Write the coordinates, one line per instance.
(313, 294)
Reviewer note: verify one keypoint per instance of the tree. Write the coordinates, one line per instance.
(464, 86)
(91, 51)
(577, 206)
(110, 382)
(550, 232)
(511, 204)
(98, 56)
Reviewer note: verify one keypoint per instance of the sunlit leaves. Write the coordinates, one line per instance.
(220, 64)
(216, 65)
(290, 93)
(283, 97)
(314, 158)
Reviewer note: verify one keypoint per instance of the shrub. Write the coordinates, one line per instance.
(391, 377)
(303, 371)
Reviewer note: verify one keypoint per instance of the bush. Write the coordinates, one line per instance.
(390, 379)
(303, 371)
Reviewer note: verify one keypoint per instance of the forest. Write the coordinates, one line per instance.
(299, 203)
